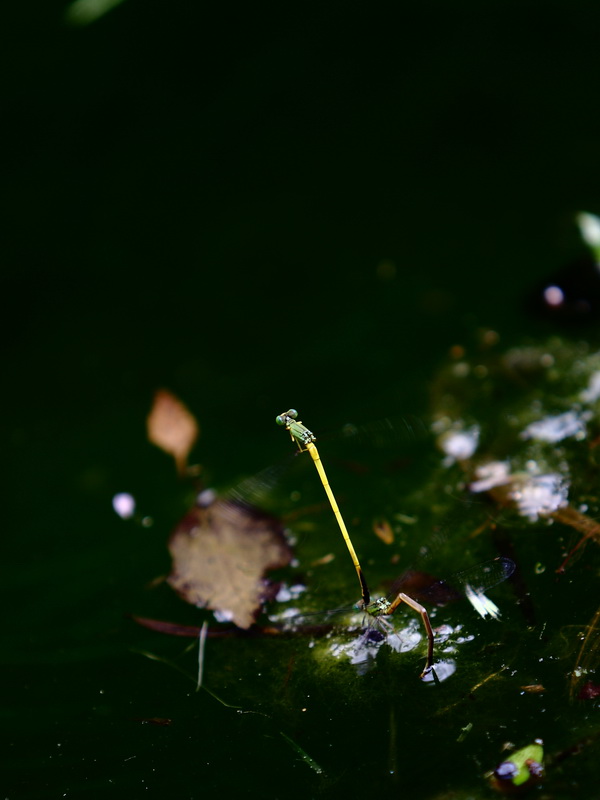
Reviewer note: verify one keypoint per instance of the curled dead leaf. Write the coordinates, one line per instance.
(172, 427)
(383, 529)
(320, 562)
(220, 556)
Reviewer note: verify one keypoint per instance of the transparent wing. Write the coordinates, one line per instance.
(486, 575)
(255, 491)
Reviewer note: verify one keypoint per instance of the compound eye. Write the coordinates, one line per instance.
(293, 413)
(280, 420)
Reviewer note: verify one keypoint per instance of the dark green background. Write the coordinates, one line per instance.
(202, 197)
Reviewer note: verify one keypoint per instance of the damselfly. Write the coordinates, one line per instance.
(474, 582)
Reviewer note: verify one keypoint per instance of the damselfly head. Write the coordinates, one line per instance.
(286, 417)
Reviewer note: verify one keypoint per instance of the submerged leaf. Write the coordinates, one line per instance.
(172, 427)
(220, 555)
(524, 769)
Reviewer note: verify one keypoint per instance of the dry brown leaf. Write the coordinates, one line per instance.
(383, 529)
(172, 427)
(220, 555)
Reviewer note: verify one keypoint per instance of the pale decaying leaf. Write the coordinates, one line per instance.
(220, 555)
(172, 427)
(383, 529)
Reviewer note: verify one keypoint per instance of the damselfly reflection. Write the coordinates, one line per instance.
(373, 624)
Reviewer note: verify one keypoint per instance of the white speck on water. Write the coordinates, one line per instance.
(123, 504)
(495, 473)
(404, 641)
(554, 295)
(589, 226)
(206, 498)
(481, 603)
(287, 593)
(223, 615)
(459, 445)
(556, 428)
(540, 495)
(592, 393)
(444, 669)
